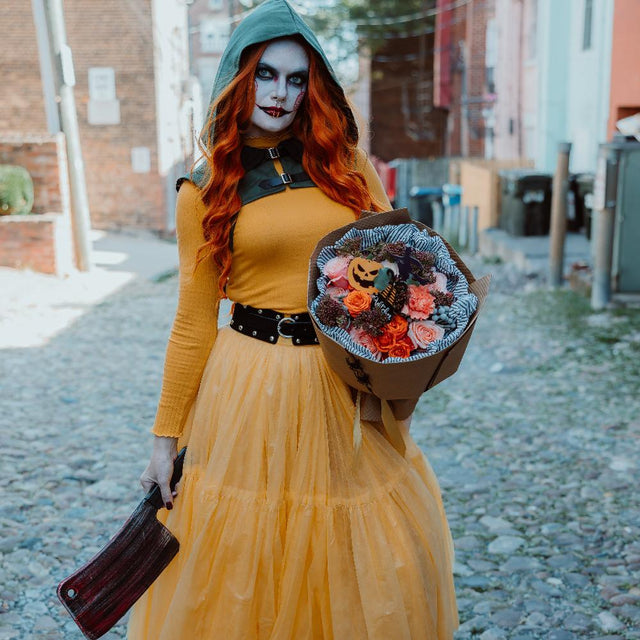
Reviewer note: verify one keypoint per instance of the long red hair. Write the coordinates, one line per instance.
(328, 136)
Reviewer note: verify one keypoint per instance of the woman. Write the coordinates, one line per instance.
(285, 533)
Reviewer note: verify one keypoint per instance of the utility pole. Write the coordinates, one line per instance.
(65, 81)
(47, 68)
(559, 216)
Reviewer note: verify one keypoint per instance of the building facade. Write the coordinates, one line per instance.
(588, 84)
(552, 79)
(516, 83)
(133, 99)
(463, 80)
(210, 25)
(404, 122)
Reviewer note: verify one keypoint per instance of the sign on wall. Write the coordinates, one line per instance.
(141, 159)
(103, 107)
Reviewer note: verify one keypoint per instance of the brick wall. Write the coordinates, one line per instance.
(39, 242)
(396, 132)
(114, 34)
(466, 23)
(21, 107)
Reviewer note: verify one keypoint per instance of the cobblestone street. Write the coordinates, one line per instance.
(536, 442)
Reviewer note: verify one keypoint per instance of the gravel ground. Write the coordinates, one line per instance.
(535, 442)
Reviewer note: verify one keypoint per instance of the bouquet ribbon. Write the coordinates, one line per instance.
(389, 423)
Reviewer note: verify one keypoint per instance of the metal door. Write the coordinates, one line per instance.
(626, 250)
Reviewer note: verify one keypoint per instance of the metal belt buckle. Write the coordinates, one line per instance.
(286, 178)
(287, 320)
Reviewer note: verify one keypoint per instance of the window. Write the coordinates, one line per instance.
(491, 55)
(588, 24)
(214, 35)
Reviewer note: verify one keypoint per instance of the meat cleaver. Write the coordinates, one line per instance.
(99, 593)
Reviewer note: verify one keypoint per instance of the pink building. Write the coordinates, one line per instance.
(516, 83)
(625, 69)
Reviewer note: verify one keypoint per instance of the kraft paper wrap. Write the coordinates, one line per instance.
(400, 383)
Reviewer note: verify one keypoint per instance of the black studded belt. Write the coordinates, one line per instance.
(269, 325)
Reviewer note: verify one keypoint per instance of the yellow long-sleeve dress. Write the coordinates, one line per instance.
(284, 534)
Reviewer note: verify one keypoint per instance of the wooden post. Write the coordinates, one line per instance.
(559, 216)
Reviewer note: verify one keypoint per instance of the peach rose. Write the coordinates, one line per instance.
(361, 337)
(420, 304)
(336, 271)
(401, 349)
(385, 341)
(357, 302)
(397, 327)
(440, 284)
(424, 332)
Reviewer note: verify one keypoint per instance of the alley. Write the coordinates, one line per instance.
(536, 443)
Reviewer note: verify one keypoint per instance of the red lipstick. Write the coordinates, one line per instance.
(275, 112)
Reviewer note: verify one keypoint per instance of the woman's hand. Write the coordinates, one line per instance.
(160, 468)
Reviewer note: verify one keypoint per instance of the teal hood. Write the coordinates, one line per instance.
(272, 19)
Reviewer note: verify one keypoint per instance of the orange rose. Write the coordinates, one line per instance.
(421, 303)
(357, 302)
(401, 349)
(397, 327)
(385, 342)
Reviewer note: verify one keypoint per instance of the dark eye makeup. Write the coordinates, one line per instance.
(265, 72)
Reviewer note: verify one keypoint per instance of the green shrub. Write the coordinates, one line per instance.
(16, 190)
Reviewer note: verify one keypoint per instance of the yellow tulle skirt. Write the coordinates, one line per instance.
(287, 534)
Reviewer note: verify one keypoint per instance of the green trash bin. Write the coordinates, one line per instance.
(526, 202)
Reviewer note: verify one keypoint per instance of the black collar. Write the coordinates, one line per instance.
(251, 157)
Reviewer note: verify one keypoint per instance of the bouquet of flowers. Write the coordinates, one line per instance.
(391, 293)
(393, 305)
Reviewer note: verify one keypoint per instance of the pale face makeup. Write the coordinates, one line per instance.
(281, 84)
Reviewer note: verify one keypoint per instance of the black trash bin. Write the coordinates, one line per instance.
(574, 218)
(421, 203)
(578, 201)
(526, 202)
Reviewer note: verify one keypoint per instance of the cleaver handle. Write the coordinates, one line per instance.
(154, 497)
